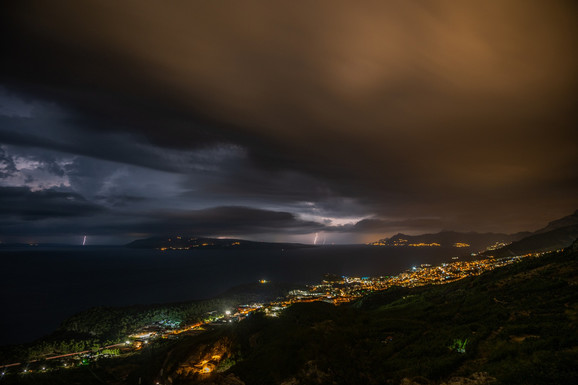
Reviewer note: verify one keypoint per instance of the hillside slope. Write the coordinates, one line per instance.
(555, 239)
(569, 220)
(514, 325)
(556, 235)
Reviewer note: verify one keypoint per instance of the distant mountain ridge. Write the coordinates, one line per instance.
(193, 243)
(471, 240)
(557, 235)
(570, 220)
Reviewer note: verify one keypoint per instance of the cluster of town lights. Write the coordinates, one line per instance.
(337, 290)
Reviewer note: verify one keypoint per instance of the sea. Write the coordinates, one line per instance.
(41, 287)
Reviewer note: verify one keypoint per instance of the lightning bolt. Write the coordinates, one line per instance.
(315, 240)
(84, 241)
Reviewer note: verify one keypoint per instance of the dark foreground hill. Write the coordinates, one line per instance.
(514, 325)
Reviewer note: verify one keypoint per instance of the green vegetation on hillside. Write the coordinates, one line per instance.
(518, 324)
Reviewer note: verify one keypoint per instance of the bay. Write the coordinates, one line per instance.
(40, 287)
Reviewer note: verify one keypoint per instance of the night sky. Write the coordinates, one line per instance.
(279, 120)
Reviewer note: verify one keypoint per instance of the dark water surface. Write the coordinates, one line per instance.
(39, 288)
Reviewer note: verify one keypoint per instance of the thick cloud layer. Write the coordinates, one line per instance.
(395, 115)
(23, 203)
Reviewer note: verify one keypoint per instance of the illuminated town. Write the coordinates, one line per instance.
(333, 289)
(400, 242)
(338, 290)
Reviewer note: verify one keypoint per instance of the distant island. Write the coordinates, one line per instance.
(192, 243)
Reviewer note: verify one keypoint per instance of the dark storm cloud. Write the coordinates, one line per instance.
(239, 178)
(462, 111)
(52, 133)
(376, 226)
(120, 200)
(217, 221)
(7, 166)
(20, 202)
(220, 221)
